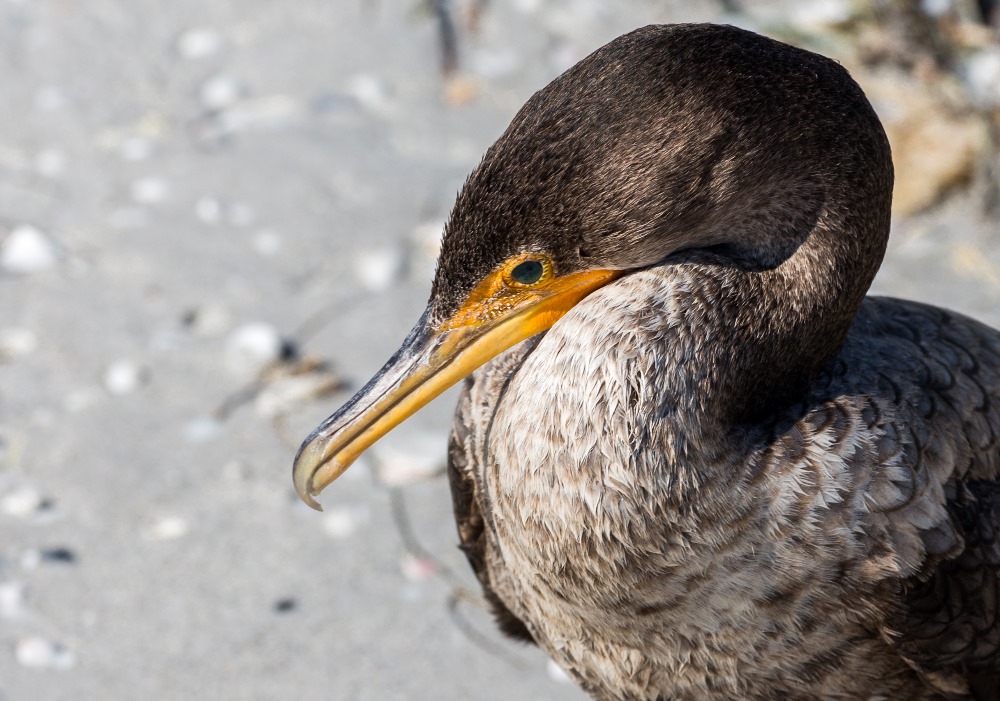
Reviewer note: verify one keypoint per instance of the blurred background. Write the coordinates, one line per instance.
(219, 217)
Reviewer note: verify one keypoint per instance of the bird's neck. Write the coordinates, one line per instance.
(649, 385)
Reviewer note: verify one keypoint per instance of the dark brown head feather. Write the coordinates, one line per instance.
(676, 138)
(702, 140)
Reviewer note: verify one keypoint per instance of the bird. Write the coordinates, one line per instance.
(692, 459)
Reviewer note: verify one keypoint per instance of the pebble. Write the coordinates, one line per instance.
(198, 42)
(41, 653)
(17, 342)
(252, 347)
(167, 528)
(28, 250)
(285, 605)
(124, 377)
(63, 556)
(406, 457)
(379, 269)
(11, 599)
(340, 522)
(22, 502)
(150, 190)
(219, 92)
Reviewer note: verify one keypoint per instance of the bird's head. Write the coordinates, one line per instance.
(668, 140)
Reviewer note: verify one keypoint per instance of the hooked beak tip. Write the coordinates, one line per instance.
(307, 497)
(304, 473)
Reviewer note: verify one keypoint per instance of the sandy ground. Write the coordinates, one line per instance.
(194, 184)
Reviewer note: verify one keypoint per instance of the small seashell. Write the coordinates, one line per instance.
(27, 250)
(220, 92)
(11, 599)
(198, 42)
(340, 522)
(21, 502)
(167, 528)
(40, 653)
(124, 377)
(253, 346)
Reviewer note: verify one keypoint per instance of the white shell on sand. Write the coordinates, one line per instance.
(27, 250)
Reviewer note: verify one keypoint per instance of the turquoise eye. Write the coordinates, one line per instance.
(527, 273)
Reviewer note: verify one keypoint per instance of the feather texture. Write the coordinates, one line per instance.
(844, 549)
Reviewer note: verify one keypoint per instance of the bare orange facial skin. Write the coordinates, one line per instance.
(499, 295)
(499, 313)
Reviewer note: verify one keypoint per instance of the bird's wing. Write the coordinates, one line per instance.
(464, 464)
(950, 631)
(940, 375)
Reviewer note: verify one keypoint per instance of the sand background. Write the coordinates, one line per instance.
(195, 189)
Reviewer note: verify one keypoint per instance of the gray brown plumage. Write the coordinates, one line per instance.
(723, 472)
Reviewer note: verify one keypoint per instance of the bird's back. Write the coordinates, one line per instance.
(934, 376)
(879, 492)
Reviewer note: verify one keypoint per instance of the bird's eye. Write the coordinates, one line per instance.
(527, 273)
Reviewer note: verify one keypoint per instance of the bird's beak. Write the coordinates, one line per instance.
(432, 359)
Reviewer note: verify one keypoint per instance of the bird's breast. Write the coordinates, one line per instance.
(588, 447)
